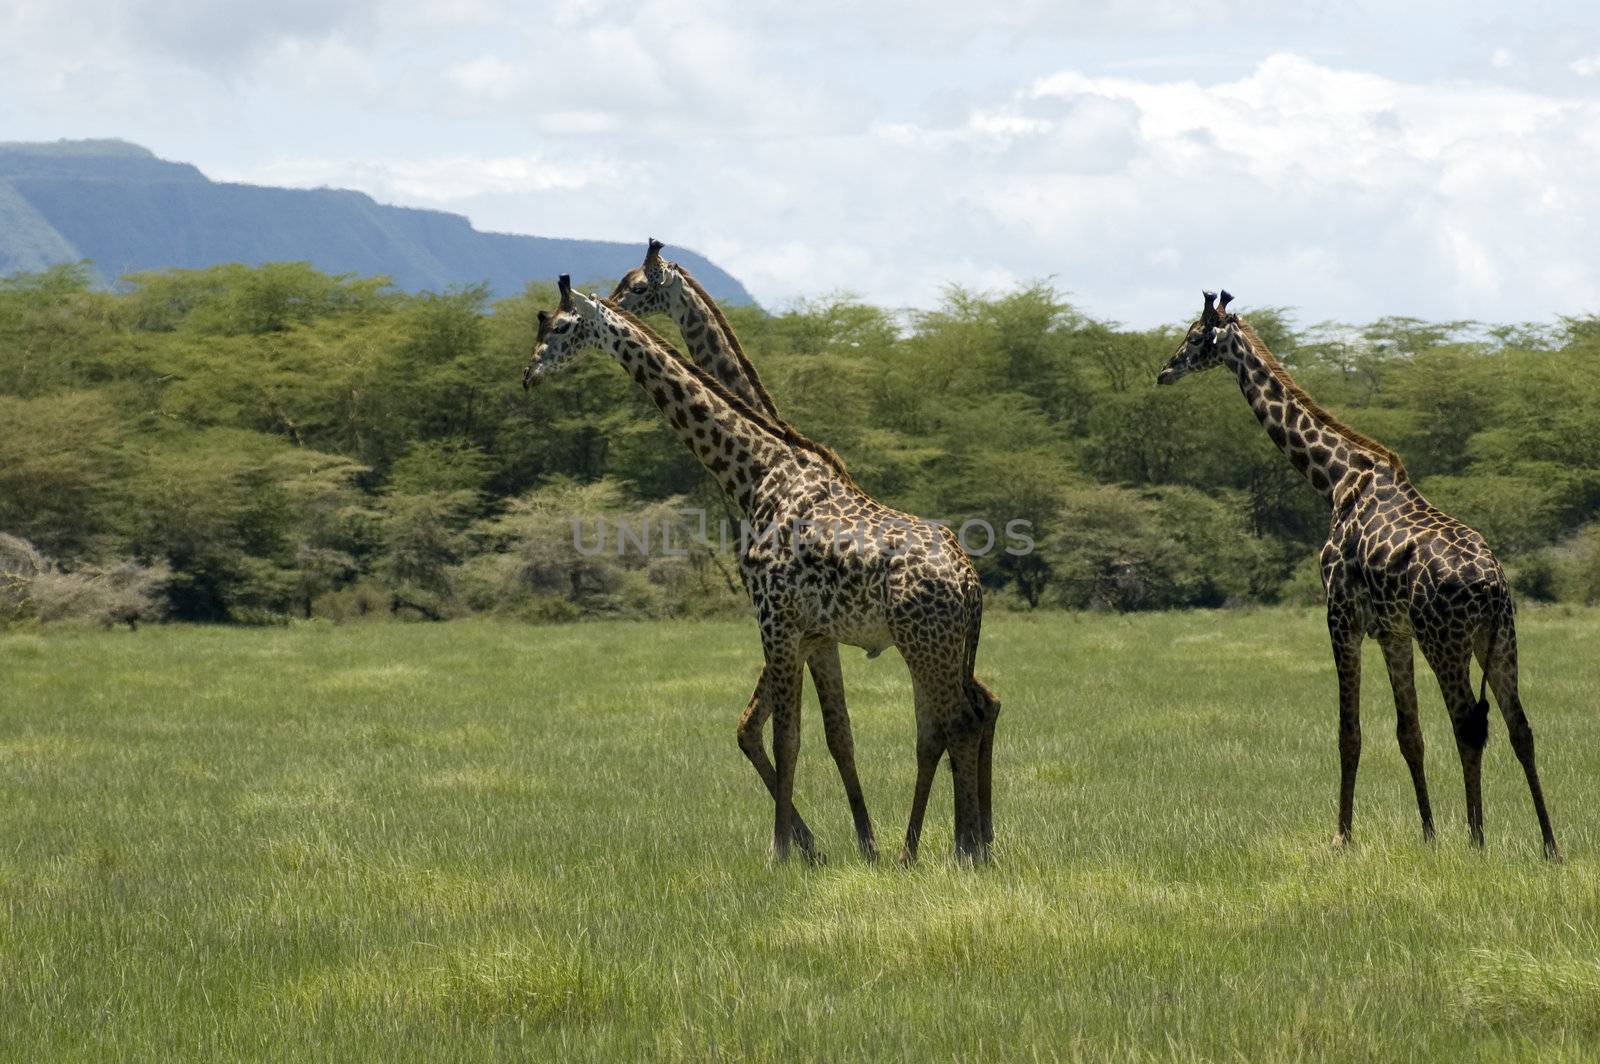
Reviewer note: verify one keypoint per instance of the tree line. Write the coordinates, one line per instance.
(253, 444)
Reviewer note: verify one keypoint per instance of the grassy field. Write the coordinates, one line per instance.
(478, 840)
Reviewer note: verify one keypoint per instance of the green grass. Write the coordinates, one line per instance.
(476, 840)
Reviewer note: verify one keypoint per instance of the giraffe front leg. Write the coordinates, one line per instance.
(1347, 661)
(751, 721)
(828, 676)
(780, 693)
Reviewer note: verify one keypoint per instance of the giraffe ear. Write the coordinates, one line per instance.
(587, 306)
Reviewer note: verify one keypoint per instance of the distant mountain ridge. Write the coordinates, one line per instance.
(126, 210)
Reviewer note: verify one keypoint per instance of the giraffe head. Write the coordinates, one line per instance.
(1201, 348)
(573, 328)
(651, 287)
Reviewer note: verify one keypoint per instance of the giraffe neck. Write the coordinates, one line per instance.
(713, 347)
(737, 449)
(1325, 451)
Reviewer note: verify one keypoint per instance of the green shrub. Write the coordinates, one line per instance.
(364, 601)
(1536, 577)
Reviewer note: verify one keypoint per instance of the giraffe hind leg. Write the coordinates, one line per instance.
(1499, 659)
(930, 748)
(943, 702)
(987, 707)
(1408, 729)
(1469, 718)
(965, 745)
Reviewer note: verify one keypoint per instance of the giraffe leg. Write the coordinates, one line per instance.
(780, 693)
(965, 745)
(984, 702)
(1397, 655)
(751, 722)
(942, 702)
(930, 747)
(1347, 660)
(828, 676)
(1502, 671)
(1451, 664)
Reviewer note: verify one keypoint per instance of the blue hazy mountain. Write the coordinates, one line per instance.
(119, 206)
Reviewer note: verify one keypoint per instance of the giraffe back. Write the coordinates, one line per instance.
(1404, 566)
(828, 559)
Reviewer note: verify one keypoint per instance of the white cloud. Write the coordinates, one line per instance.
(1305, 179)
(217, 35)
(488, 76)
(438, 182)
(1134, 150)
(1341, 192)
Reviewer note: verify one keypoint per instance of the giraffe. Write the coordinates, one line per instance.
(1395, 567)
(661, 286)
(825, 563)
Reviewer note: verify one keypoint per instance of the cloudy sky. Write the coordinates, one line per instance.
(1342, 159)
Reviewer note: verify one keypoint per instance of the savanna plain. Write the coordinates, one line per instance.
(478, 840)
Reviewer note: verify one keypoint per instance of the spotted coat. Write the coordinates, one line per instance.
(660, 286)
(825, 563)
(1395, 567)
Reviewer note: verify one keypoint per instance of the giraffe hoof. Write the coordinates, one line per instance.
(1552, 853)
(1341, 840)
(907, 858)
(802, 837)
(869, 851)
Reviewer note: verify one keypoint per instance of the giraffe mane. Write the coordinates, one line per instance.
(745, 367)
(778, 428)
(1355, 436)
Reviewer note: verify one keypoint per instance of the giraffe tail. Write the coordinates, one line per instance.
(981, 701)
(1478, 732)
(985, 705)
(1483, 683)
